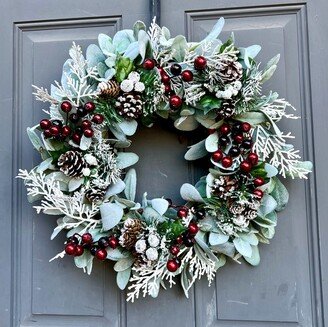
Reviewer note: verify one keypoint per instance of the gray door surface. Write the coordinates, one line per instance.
(289, 288)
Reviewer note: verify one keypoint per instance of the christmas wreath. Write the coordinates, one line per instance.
(137, 77)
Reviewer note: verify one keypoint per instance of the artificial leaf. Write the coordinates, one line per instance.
(122, 278)
(196, 151)
(111, 215)
(217, 238)
(189, 193)
(126, 159)
(131, 184)
(160, 205)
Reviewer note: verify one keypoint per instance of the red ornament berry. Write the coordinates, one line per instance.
(45, 124)
(225, 129)
(47, 133)
(165, 78)
(217, 156)
(200, 63)
(161, 70)
(253, 158)
(66, 106)
(86, 238)
(245, 127)
(211, 130)
(66, 131)
(179, 239)
(258, 193)
(98, 118)
(86, 124)
(183, 212)
(174, 249)
(54, 130)
(113, 242)
(101, 254)
(226, 162)
(149, 64)
(172, 265)
(258, 181)
(245, 166)
(193, 228)
(88, 132)
(167, 89)
(238, 138)
(175, 101)
(89, 107)
(76, 137)
(70, 248)
(78, 250)
(187, 76)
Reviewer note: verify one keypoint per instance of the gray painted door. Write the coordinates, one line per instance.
(286, 290)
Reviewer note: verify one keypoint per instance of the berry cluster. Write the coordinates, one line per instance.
(75, 125)
(76, 244)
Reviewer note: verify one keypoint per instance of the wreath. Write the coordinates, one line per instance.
(138, 77)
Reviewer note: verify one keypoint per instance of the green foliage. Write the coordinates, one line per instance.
(106, 107)
(124, 67)
(172, 229)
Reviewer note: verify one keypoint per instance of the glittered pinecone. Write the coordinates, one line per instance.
(230, 71)
(250, 214)
(95, 194)
(72, 163)
(130, 232)
(224, 186)
(227, 109)
(129, 105)
(110, 89)
(236, 208)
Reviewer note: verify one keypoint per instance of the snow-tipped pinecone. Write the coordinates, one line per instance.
(236, 208)
(223, 186)
(95, 194)
(110, 89)
(254, 204)
(230, 71)
(227, 109)
(72, 163)
(129, 105)
(250, 214)
(130, 232)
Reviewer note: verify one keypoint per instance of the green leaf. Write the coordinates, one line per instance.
(34, 138)
(94, 55)
(254, 259)
(243, 247)
(208, 103)
(122, 278)
(151, 215)
(132, 51)
(272, 62)
(179, 47)
(268, 204)
(85, 143)
(131, 184)
(196, 151)
(123, 264)
(75, 183)
(216, 30)
(124, 67)
(116, 254)
(44, 165)
(189, 193)
(114, 189)
(280, 194)
(105, 44)
(187, 123)
(126, 159)
(271, 170)
(160, 205)
(128, 127)
(252, 117)
(226, 248)
(111, 215)
(218, 238)
(211, 142)
(267, 74)
(137, 27)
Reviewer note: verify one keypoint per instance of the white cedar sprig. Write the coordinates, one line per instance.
(42, 94)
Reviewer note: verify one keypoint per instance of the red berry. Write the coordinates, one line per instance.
(66, 131)
(113, 242)
(193, 228)
(66, 106)
(70, 248)
(88, 132)
(79, 250)
(165, 78)
(225, 129)
(161, 70)
(89, 107)
(86, 124)
(238, 138)
(200, 63)
(253, 158)
(54, 130)
(217, 156)
(258, 193)
(98, 118)
(148, 64)
(101, 254)
(183, 212)
(45, 123)
(167, 89)
(226, 162)
(245, 166)
(76, 137)
(47, 133)
(258, 181)
(245, 127)
(86, 238)
(187, 75)
(172, 265)
(174, 249)
(179, 239)
(175, 101)
(211, 130)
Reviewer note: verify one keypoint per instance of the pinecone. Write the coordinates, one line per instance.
(230, 71)
(236, 208)
(130, 232)
(227, 109)
(72, 163)
(110, 89)
(95, 194)
(223, 186)
(250, 214)
(129, 105)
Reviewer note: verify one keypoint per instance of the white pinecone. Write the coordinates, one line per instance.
(231, 70)
(129, 105)
(110, 88)
(72, 163)
(95, 194)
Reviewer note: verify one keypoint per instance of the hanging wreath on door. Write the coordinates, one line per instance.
(85, 178)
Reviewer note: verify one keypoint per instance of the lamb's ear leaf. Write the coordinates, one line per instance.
(122, 278)
(111, 215)
(131, 184)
